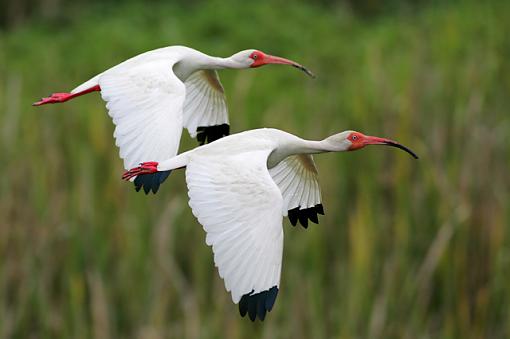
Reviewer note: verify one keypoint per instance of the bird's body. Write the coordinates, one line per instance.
(240, 187)
(153, 96)
(184, 61)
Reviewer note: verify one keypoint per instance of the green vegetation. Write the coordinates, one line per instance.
(407, 249)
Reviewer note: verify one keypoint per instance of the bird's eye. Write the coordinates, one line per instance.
(254, 56)
(354, 137)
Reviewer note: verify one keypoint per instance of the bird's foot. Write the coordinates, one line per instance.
(54, 98)
(144, 168)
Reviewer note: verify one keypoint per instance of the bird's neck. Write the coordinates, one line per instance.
(219, 63)
(196, 62)
(315, 147)
(298, 146)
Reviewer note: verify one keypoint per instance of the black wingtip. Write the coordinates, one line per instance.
(293, 216)
(150, 182)
(305, 214)
(207, 134)
(258, 304)
(320, 209)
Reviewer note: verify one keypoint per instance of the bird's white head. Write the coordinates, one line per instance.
(252, 58)
(352, 141)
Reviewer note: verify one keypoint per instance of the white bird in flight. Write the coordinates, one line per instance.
(240, 188)
(152, 96)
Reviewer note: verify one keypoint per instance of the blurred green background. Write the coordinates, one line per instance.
(407, 249)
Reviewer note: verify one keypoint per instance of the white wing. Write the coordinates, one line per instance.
(297, 178)
(205, 108)
(240, 208)
(145, 102)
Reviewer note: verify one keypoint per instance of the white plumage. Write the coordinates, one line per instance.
(152, 96)
(226, 197)
(205, 103)
(145, 103)
(150, 104)
(297, 178)
(240, 188)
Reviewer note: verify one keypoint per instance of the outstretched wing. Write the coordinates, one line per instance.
(240, 208)
(297, 178)
(145, 102)
(205, 107)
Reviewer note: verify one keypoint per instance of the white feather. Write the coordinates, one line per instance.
(145, 102)
(298, 182)
(239, 205)
(205, 104)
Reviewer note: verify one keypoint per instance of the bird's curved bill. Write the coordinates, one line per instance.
(388, 142)
(271, 59)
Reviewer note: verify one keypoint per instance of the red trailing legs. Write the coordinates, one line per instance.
(144, 168)
(63, 97)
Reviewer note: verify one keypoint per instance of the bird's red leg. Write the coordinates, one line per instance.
(63, 97)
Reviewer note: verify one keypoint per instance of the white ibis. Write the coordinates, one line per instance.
(152, 96)
(240, 188)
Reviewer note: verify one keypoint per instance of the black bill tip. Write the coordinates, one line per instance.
(306, 70)
(402, 147)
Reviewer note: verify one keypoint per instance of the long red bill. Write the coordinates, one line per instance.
(271, 59)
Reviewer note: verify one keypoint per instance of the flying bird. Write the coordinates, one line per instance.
(152, 96)
(240, 187)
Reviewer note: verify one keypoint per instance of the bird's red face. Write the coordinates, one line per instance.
(260, 59)
(359, 140)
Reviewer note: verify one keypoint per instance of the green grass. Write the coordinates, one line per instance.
(407, 249)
